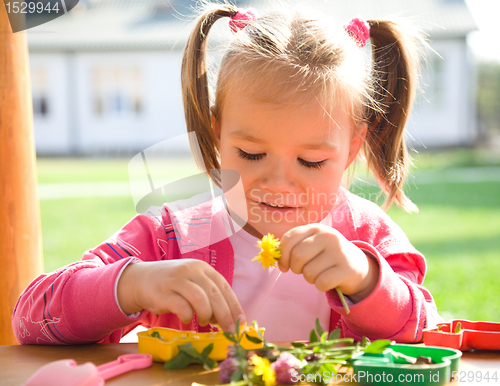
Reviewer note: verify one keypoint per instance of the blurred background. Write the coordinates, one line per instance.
(106, 85)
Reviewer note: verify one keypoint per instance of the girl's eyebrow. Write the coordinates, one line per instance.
(320, 146)
(244, 136)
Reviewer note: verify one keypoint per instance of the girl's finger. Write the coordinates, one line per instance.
(305, 251)
(289, 240)
(178, 305)
(314, 267)
(227, 308)
(328, 279)
(197, 297)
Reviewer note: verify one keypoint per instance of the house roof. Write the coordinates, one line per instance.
(115, 25)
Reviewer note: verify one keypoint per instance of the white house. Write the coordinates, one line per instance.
(106, 76)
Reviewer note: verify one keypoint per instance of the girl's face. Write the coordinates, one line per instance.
(291, 159)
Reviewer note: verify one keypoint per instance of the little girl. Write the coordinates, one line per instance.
(296, 102)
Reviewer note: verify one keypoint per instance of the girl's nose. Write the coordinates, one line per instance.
(278, 177)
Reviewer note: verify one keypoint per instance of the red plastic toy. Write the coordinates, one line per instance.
(469, 335)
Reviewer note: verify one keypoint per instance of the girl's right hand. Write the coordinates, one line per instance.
(182, 287)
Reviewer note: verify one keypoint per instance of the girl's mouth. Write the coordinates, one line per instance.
(276, 206)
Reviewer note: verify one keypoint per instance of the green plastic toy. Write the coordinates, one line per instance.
(393, 366)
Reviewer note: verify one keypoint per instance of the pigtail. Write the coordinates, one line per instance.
(395, 73)
(195, 92)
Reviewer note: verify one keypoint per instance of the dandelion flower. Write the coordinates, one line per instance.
(270, 252)
(262, 367)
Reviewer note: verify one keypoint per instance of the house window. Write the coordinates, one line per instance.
(117, 91)
(39, 92)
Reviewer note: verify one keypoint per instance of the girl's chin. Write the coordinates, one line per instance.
(278, 230)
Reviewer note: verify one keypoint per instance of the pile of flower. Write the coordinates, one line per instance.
(286, 365)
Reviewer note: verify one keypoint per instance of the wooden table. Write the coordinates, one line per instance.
(18, 363)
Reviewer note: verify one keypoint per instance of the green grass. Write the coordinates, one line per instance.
(457, 228)
(453, 158)
(57, 170)
(458, 231)
(72, 226)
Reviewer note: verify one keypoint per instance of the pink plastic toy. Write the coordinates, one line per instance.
(67, 373)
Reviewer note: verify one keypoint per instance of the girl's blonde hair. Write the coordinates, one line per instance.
(289, 57)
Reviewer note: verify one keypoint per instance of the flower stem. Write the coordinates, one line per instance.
(342, 299)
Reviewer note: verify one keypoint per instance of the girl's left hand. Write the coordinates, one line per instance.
(328, 260)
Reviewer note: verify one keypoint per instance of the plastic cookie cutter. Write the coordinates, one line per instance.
(393, 366)
(66, 372)
(464, 335)
(163, 343)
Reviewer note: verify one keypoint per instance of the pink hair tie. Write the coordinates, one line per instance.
(241, 19)
(359, 31)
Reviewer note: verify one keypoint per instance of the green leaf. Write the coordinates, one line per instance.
(239, 351)
(338, 358)
(378, 346)
(313, 337)
(237, 376)
(206, 351)
(229, 335)
(320, 380)
(253, 339)
(335, 334)
(269, 345)
(324, 336)
(188, 354)
(458, 328)
(319, 329)
(328, 367)
(298, 344)
(256, 328)
(209, 364)
(180, 361)
(156, 334)
(190, 350)
(237, 329)
(365, 342)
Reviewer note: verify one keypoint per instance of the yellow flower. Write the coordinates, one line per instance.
(270, 252)
(262, 367)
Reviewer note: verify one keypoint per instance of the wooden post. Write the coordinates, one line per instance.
(20, 231)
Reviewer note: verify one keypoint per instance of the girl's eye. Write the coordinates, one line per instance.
(312, 165)
(250, 157)
(256, 157)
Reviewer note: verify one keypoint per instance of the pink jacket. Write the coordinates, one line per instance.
(76, 304)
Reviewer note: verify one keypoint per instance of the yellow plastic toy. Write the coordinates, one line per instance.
(162, 343)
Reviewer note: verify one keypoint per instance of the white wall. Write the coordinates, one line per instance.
(75, 126)
(162, 116)
(444, 114)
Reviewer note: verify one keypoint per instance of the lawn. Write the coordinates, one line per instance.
(457, 228)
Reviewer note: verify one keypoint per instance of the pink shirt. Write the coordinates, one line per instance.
(76, 303)
(274, 298)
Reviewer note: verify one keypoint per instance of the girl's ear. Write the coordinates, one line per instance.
(357, 140)
(215, 124)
